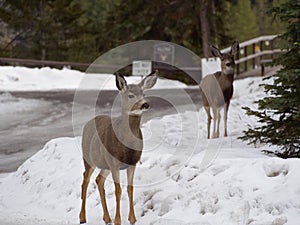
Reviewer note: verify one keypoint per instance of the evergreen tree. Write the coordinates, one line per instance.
(242, 21)
(174, 21)
(268, 25)
(279, 113)
(78, 30)
(44, 29)
(90, 42)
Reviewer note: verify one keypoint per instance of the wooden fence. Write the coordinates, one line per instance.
(253, 53)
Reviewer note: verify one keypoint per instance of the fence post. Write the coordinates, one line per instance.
(246, 54)
(261, 46)
(238, 65)
(253, 52)
(272, 48)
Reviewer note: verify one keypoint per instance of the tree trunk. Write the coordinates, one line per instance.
(261, 16)
(214, 24)
(43, 49)
(204, 27)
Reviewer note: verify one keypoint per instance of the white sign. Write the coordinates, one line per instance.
(141, 68)
(210, 66)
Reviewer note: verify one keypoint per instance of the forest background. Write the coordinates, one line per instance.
(80, 31)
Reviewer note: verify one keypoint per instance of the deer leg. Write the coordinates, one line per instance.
(207, 109)
(100, 180)
(130, 174)
(86, 179)
(218, 122)
(217, 118)
(226, 107)
(118, 192)
(215, 112)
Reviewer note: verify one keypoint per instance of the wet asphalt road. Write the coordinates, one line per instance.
(24, 134)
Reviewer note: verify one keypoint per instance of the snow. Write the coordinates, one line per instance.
(182, 178)
(43, 79)
(11, 105)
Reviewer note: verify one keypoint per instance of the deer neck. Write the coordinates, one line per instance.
(226, 79)
(131, 123)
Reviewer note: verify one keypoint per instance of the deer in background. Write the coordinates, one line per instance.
(216, 89)
(114, 144)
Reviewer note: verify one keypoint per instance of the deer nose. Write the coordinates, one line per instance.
(228, 64)
(145, 106)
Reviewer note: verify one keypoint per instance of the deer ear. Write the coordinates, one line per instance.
(215, 51)
(149, 81)
(120, 82)
(235, 47)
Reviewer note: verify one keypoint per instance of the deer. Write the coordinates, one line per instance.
(217, 89)
(116, 143)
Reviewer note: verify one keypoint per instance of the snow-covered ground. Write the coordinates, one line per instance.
(182, 177)
(43, 79)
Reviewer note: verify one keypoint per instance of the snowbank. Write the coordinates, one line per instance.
(240, 185)
(231, 191)
(42, 79)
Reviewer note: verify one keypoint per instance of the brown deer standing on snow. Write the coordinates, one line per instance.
(113, 144)
(217, 89)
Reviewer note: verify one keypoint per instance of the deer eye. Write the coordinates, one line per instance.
(130, 96)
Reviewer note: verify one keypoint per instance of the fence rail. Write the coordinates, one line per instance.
(34, 62)
(252, 54)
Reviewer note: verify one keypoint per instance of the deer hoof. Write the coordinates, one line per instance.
(82, 218)
(109, 223)
(83, 221)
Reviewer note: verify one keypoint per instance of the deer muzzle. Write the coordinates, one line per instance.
(139, 107)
